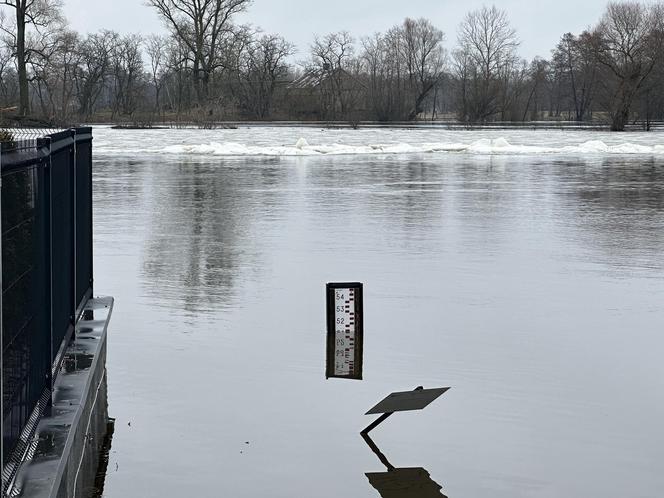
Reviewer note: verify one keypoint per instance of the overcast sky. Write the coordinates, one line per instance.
(539, 23)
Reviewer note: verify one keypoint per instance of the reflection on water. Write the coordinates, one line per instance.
(401, 482)
(102, 469)
(534, 285)
(405, 483)
(620, 211)
(198, 235)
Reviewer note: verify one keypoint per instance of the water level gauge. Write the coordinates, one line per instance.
(344, 330)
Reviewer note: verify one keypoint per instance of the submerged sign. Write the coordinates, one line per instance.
(344, 330)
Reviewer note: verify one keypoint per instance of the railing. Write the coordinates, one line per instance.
(46, 211)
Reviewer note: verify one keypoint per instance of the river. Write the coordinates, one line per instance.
(525, 270)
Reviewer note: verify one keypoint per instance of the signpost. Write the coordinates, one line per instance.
(402, 482)
(345, 328)
(417, 399)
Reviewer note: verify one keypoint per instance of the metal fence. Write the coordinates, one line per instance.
(46, 211)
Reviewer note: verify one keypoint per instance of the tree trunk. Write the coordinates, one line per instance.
(620, 117)
(24, 98)
(198, 84)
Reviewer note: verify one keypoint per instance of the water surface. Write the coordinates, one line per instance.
(531, 284)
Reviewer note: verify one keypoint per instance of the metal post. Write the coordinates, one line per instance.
(91, 225)
(75, 226)
(375, 423)
(48, 222)
(2, 346)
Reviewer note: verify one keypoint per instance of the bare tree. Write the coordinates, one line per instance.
(576, 71)
(227, 87)
(486, 55)
(628, 43)
(424, 57)
(650, 104)
(41, 15)
(53, 67)
(201, 26)
(210, 68)
(8, 79)
(263, 65)
(332, 61)
(156, 48)
(383, 61)
(93, 69)
(402, 67)
(177, 87)
(127, 70)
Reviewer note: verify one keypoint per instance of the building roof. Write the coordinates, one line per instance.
(310, 79)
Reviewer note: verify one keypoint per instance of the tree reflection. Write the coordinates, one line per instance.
(199, 238)
(618, 207)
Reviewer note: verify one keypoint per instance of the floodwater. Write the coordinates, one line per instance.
(531, 284)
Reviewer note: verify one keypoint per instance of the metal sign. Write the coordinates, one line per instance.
(345, 329)
(408, 400)
(404, 482)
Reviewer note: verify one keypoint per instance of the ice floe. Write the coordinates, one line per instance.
(488, 146)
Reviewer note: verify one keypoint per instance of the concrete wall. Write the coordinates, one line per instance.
(63, 461)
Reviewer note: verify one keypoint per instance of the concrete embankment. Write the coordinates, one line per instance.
(63, 458)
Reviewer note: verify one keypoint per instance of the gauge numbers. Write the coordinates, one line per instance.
(344, 330)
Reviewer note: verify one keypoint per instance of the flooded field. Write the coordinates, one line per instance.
(530, 281)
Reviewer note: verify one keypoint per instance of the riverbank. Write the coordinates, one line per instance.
(443, 124)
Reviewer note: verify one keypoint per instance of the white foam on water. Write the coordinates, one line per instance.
(303, 141)
(485, 146)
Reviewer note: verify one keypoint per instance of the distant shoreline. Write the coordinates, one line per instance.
(444, 125)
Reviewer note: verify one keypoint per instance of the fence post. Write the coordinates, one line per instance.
(74, 220)
(91, 222)
(83, 212)
(2, 344)
(48, 224)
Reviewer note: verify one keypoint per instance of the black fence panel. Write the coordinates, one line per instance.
(46, 213)
(26, 345)
(83, 216)
(62, 238)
